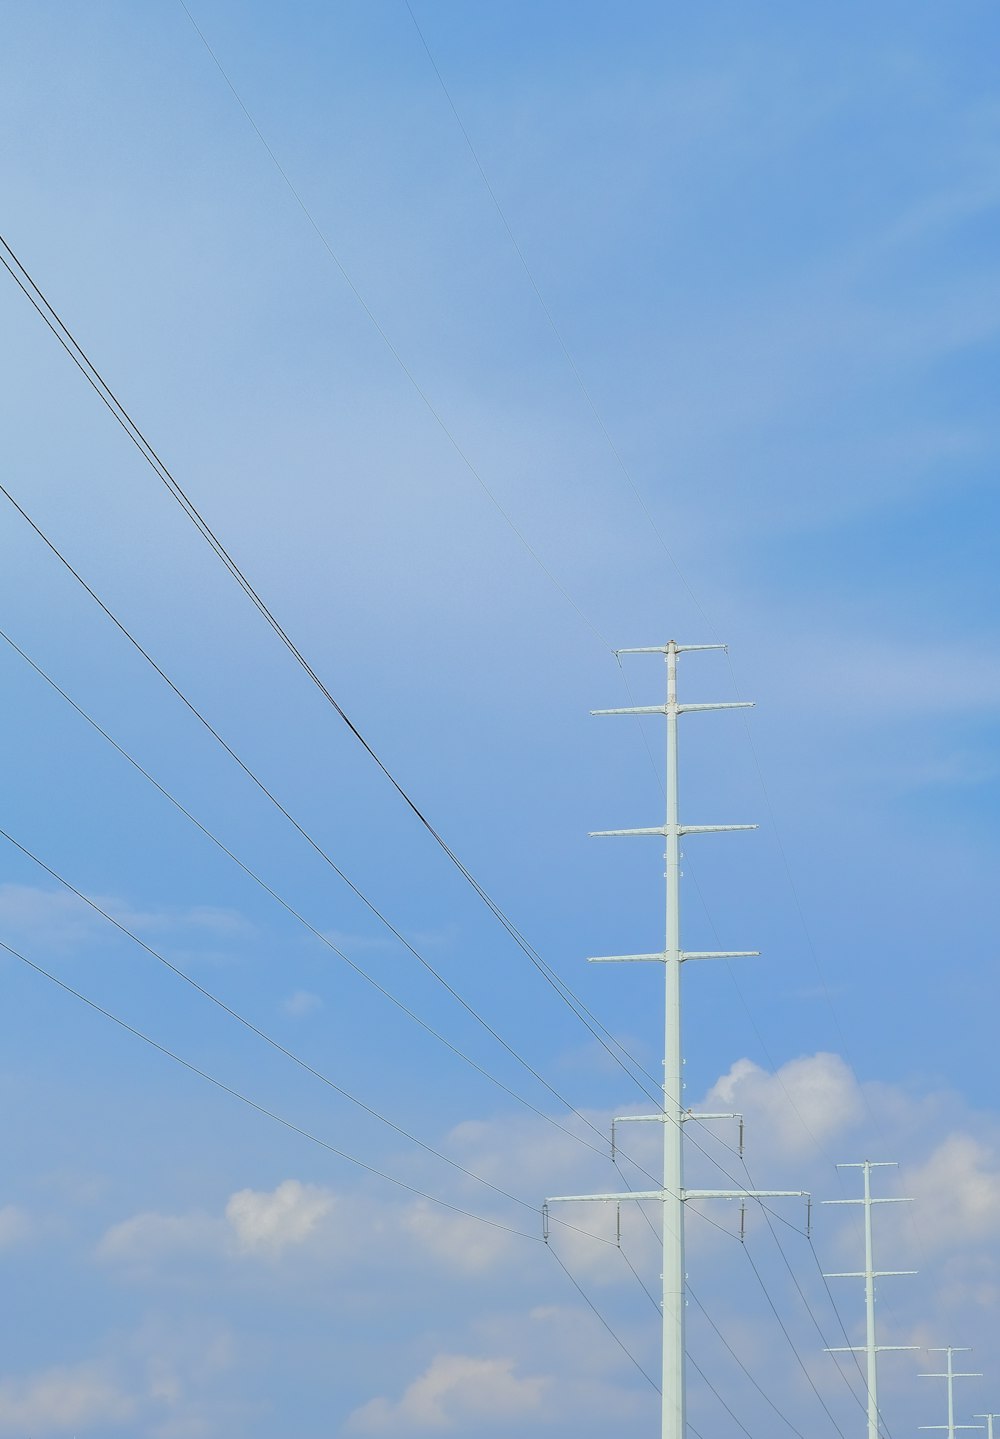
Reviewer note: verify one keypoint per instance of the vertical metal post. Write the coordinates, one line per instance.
(872, 1355)
(673, 1399)
(672, 1115)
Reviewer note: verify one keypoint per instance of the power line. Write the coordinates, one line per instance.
(812, 1314)
(314, 844)
(764, 1395)
(698, 1370)
(791, 1343)
(295, 914)
(100, 386)
(259, 1108)
(594, 1309)
(268, 1039)
(587, 395)
(383, 335)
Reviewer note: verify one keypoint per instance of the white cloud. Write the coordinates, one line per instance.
(53, 918)
(59, 920)
(145, 1238)
(15, 1226)
(805, 1102)
(957, 1191)
(300, 1003)
(269, 1222)
(454, 1390)
(465, 1245)
(58, 1401)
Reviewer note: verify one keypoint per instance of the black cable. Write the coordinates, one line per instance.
(275, 1043)
(314, 844)
(783, 1417)
(259, 1108)
(698, 1370)
(641, 1282)
(791, 1342)
(593, 1307)
(97, 382)
(801, 1293)
(295, 914)
(843, 1329)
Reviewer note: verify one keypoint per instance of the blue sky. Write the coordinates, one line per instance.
(767, 239)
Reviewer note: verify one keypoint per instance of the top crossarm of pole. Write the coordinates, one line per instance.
(880, 1199)
(869, 1164)
(681, 709)
(665, 649)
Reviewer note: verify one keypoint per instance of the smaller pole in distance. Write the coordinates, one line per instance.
(951, 1374)
(869, 1274)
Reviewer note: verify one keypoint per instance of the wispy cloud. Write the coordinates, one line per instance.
(455, 1390)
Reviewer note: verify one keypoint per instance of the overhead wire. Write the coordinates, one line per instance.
(270, 796)
(762, 1392)
(252, 1103)
(269, 1039)
(317, 933)
(591, 405)
(693, 1362)
(60, 330)
(698, 1370)
(640, 499)
(222, 554)
(648, 514)
(602, 1320)
(791, 1343)
(808, 1307)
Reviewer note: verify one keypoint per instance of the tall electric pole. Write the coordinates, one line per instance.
(869, 1274)
(951, 1376)
(673, 1195)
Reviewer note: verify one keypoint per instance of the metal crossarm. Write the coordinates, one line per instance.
(681, 709)
(668, 831)
(685, 954)
(668, 649)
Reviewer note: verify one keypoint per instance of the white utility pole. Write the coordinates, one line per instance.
(673, 1195)
(989, 1422)
(951, 1376)
(869, 1274)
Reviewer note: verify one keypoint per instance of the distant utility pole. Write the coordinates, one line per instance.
(989, 1422)
(673, 1196)
(869, 1274)
(951, 1376)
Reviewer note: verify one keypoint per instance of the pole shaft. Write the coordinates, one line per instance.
(873, 1418)
(673, 1399)
(951, 1397)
